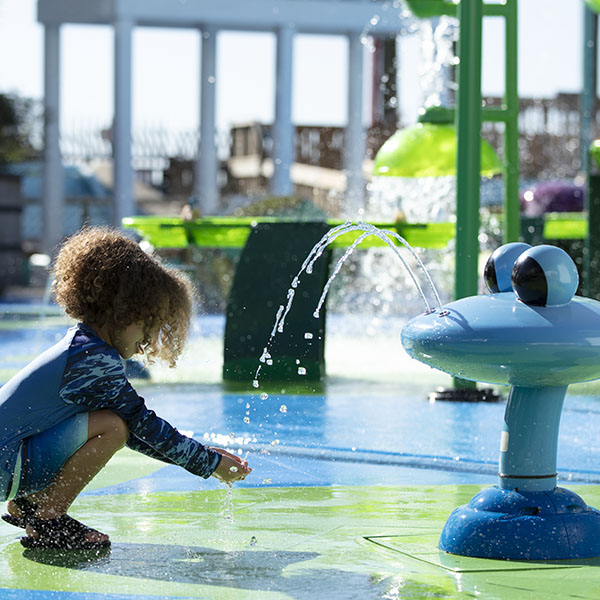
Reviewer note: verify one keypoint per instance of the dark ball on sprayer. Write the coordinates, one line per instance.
(545, 276)
(500, 264)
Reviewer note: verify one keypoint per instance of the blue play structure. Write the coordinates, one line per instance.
(532, 333)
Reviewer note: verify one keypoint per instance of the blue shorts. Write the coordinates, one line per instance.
(43, 455)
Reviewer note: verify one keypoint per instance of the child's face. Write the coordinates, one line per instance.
(130, 341)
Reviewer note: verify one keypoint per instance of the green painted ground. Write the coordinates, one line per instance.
(283, 543)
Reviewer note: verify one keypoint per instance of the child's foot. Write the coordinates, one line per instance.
(63, 533)
(13, 509)
(18, 511)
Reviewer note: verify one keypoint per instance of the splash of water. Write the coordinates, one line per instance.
(384, 235)
(368, 230)
(226, 511)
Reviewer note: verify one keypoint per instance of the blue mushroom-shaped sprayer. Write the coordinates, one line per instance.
(532, 333)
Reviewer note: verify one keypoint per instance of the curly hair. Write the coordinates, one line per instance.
(104, 278)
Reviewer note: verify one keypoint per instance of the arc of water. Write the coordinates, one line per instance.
(397, 236)
(282, 311)
(318, 250)
(337, 268)
(382, 235)
(313, 255)
(334, 235)
(362, 226)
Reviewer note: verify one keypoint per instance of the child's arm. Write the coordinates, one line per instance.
(230, 468)
(156, 437)
(139, 446)
(94, 379)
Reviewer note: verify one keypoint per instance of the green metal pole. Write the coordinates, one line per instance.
(512, 219)
(586, 120)
(468, 156)
(468, 125)
(588, 94)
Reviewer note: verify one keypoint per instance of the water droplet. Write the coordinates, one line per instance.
(275, 443)
(308, 336)
(264, 396)
(255, 383)
(247, 404)
(253, 541)
(233, 469)
(269, 361)
(301, 371)
(283, 408)
(232, 435)
(267, 481)
(246, 419)
(297, 361)
(316, 314)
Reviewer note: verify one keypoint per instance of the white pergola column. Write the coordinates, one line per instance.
(123, 195)
(205, 188)
(53, 190)
(283, 130)
(354, 140)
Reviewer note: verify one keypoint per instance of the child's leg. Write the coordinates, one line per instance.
(107, 433)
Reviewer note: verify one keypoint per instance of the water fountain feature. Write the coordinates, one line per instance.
(519, 334)
(532, 334)
(317, 251)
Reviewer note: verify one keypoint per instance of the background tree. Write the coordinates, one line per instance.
(19, 123)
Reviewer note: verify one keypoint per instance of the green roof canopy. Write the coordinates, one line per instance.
(428, 150)
(593, 5)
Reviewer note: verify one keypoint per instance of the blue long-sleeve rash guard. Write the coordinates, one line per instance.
(82, 373)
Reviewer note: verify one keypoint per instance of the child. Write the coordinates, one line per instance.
(65, 414)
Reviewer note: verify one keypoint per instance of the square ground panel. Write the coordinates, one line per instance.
(423, 546)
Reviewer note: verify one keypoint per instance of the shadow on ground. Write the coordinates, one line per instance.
(251, 569)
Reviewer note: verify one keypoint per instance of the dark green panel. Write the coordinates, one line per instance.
(271, 258)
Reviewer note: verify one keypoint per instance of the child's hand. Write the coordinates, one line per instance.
(231, 468)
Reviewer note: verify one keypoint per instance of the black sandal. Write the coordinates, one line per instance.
(61, 533)
(27, 512)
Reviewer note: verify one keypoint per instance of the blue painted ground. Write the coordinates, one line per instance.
(357, 432)
(360, 432)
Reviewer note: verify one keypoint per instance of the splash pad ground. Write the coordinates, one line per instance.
(350, 490)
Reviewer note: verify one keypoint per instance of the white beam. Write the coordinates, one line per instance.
(123, 200)
(316, 16)
(53, 190)
(207, 164)
(283, 130)
(354, 139)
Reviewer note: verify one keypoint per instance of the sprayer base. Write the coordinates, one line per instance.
(512, 525)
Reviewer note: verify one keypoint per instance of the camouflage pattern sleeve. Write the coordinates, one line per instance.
(95, 379)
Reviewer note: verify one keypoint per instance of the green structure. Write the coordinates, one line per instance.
(471, 157)
(272, 248)
(590, 151)
(270, 259)
(429, 149)
(272, 251)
